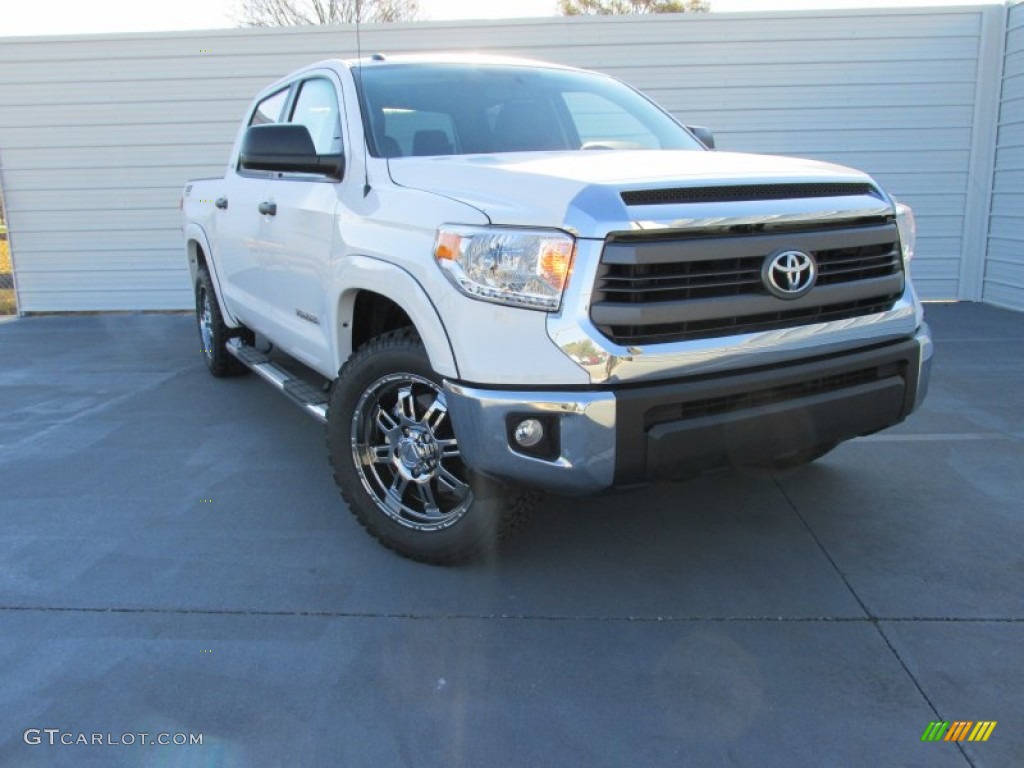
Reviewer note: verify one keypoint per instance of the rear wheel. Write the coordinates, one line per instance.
(213, 332)
(396, 458)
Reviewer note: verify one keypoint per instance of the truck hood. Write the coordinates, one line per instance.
(581, 191)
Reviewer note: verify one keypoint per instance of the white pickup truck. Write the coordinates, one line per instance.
(488, 276)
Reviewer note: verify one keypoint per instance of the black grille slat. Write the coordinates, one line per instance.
(659, 295)
(657, 291)
(860, 271)
(716, 406)
(885, 260)
(723, 273)
(743, 192)
(704, 329)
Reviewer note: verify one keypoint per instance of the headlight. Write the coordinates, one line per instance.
(522, 267)
(907, 229)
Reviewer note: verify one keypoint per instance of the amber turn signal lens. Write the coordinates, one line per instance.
(555, 263)
(447, 247)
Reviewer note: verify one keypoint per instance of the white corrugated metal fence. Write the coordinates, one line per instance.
(1004, 269)
(99, 133)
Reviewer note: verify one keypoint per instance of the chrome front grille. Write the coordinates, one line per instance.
(691, 287)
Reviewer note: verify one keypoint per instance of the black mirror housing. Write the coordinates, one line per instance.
(288, 148)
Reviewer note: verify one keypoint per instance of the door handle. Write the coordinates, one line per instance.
(268, 208)
(222, 203)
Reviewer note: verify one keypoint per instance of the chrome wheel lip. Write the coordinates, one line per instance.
(405, 460)
(204, 315)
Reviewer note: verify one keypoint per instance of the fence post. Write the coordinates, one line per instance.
(981, 169)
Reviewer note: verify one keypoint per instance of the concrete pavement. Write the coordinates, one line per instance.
(174, 558)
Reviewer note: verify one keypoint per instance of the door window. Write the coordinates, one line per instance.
(269, 109)
(317, 108)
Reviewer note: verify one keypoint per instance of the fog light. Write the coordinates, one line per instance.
(529, 432)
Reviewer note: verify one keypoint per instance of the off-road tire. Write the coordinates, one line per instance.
(213, 332)
(391, 445)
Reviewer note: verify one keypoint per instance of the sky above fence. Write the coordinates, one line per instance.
(62, 17)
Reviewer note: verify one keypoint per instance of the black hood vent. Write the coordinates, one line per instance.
(740, 192)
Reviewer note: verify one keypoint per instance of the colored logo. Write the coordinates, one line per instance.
(789, 274)
(958, 730)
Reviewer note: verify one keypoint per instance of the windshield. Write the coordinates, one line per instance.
(461, 109)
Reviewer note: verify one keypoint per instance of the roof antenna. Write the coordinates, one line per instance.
(359, 76)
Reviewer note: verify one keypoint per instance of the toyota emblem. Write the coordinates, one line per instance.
(789, 274)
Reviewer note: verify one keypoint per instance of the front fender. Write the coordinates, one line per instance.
(365, 273)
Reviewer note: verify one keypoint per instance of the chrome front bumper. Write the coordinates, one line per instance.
(606, 440)
(586, 460)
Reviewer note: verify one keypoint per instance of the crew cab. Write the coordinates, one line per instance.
(492, 276)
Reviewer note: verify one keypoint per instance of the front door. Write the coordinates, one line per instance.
(299, 240)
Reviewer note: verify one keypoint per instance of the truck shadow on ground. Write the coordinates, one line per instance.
(723, 545)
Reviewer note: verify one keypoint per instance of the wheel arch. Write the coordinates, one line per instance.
(379, 297)
(198, 250)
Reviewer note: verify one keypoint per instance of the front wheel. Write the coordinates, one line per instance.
(396, 458)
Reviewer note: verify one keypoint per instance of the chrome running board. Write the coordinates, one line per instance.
(312, 400)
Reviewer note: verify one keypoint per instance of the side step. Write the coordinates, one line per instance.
(312, 400)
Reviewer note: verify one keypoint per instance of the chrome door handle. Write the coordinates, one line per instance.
(268, 208)
(222, 203)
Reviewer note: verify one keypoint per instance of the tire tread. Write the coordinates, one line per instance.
(223, 364)
(516, 506)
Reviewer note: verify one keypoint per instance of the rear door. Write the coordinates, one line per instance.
(242, 231)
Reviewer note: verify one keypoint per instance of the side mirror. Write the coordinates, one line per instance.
(704, 135)
(288, 148)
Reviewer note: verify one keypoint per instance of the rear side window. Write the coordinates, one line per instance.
(269, 109)
(317, 109)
